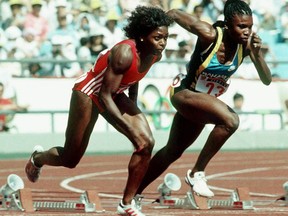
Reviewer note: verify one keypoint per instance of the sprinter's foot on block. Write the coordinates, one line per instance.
(199, 184)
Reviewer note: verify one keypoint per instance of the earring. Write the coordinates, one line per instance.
(141, 39)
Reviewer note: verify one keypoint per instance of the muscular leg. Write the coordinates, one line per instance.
(137, 168)
(205, 109)
(143, 145)
(215, 141)
(81, 121)
(182, 134)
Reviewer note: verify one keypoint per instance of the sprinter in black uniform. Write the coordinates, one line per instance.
(219, 51)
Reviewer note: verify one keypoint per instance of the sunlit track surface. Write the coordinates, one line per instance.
(262, 172)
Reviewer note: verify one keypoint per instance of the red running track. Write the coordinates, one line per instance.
(263, 172)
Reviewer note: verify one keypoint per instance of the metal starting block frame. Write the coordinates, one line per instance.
(21, 200)
(239, 199)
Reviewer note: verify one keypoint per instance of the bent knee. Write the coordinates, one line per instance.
(146, 146)
(232, 122)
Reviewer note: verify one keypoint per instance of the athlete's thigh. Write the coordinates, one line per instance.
(81, 121)
(183, 132)
(201, 107)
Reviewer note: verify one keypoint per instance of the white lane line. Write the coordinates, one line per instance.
(65, 183)
(250, 170)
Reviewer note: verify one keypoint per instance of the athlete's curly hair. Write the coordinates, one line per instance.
(236, 7)
(144, 20)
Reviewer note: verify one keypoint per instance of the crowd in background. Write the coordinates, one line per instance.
(62, 38)
(73, 33)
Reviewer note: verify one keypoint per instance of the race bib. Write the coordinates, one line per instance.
(211, 85)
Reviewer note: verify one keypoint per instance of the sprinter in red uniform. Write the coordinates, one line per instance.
(101, 91)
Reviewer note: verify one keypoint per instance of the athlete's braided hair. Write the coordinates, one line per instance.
(144, 20)
(236, 7)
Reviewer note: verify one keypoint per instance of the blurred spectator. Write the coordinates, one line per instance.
(14, 36)
(17, 15)
(97, 13)
(198, 12)
(212, 9)
(48, 8)
(273, 6)
(112, 5)
(84, 53)
(97, 44)
(245, 122)
(6, 79)
(112, 32)
(129, 5)
(8, 104)
(284, 21)
(76, 8)
(5, 11)
(183, 54)
(62, 49)
(3, 40)
(238, 101)
(267, 21)
(65, 42)
(62, 8)
(6, 75)
(85, 16)
(184, 50)
(184, 5)
(85, 22)
(176, 32)
(66, 31)
(37, 22)
(29, 47)
(82, 8)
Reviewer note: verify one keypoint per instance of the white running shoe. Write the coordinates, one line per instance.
(198, 183)
(129, 210)
(137, 201)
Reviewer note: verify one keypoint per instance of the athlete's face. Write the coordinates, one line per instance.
(240, 28)
(156, 41)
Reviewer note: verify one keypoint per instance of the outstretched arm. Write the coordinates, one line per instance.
(256, 55)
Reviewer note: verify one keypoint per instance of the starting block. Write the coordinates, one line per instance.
(285, 196)
(239, 199)
(22, 200)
